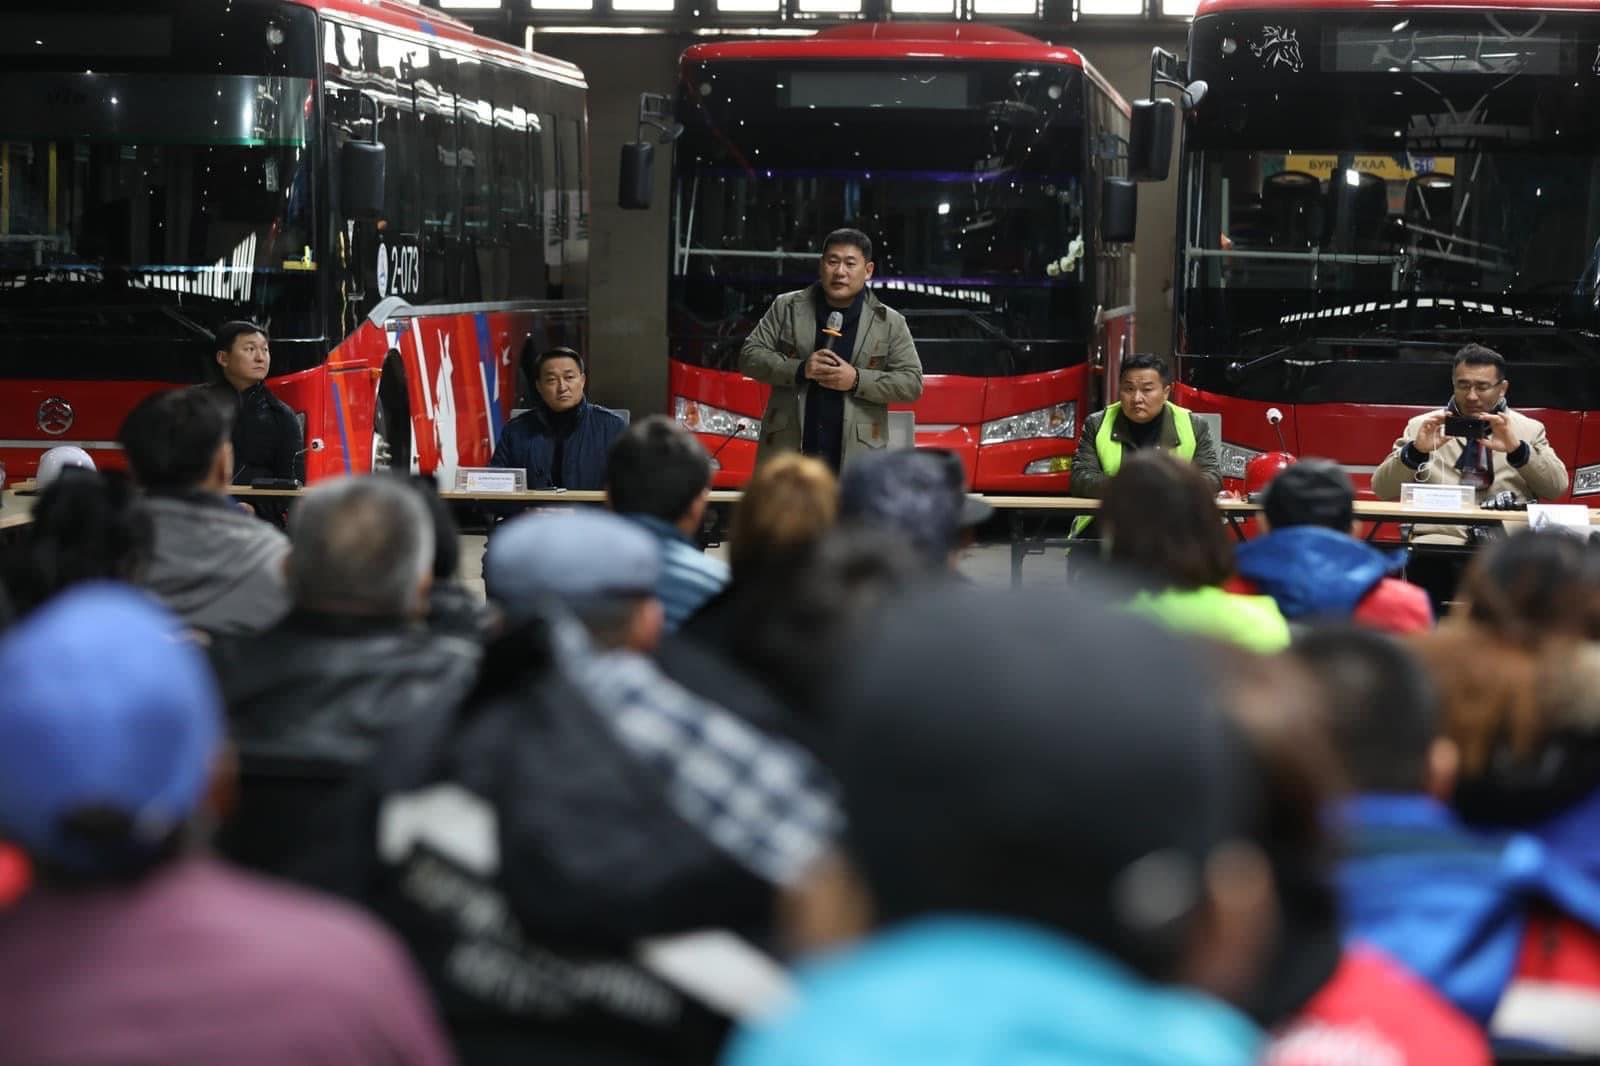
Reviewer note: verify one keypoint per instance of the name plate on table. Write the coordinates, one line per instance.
(490, 479)
(1560, 517)
(1417, 497)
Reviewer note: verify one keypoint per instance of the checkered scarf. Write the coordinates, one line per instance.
(762, 799)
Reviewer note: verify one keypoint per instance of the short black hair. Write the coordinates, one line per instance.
(1312, 492)
(1480, 355)
(1161, 515)
(558, 353)
(229, 332)
(1382, 708)
(88, 525)
(656, 468)
(172, 438)
(846, 235)
(1146, 361)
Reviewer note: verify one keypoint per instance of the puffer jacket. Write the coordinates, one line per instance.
(526, 442)
(328, 687)
(1314, 572)
(267, 439)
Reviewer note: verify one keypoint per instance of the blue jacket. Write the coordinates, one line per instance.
(1310, 570)
(961, 991)
(1449, 903)
(526, 442)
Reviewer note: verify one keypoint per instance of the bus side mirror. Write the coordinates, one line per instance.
(361, 173)
(1150, 139)
(636, 177)
(1119, 210)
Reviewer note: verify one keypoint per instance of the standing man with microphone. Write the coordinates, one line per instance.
(836, 358)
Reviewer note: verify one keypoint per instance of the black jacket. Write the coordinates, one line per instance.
(267, 439)
(531, 937)
(308, 702)
(527, 441)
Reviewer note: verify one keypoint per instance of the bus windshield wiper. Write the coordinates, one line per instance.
(1237, 369)
(993, 331)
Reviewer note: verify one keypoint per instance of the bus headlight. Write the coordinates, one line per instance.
(1057, 420)
(1586, 481)
(700, 417)
(1234, 458)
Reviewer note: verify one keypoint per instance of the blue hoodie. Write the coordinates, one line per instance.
(1311, 570)
(960, 991)
(1445, 901)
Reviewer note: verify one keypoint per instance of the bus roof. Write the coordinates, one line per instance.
(906, 40)
(415, 21)
(1217, 7)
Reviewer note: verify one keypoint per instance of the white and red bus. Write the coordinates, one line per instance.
(1365, 187)
(166, 166)
(975, 159)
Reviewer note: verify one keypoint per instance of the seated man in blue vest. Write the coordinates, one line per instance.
(1142, 417)
(562, 440)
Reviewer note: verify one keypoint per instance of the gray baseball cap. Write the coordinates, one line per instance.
(577, 557)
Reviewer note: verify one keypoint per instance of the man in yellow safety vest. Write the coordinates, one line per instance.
(1142, 417)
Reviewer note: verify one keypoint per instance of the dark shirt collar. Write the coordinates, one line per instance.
(824, 308)
(550, 419)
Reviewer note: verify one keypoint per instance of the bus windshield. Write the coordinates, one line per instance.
(1451, 195)
(141, 208)
(968, 177)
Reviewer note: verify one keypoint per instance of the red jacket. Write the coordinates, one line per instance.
(1554, 996)
(1373, 1012)
(1393, 606)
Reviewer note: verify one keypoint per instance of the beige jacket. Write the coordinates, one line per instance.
(1543, 477)
(884, 354)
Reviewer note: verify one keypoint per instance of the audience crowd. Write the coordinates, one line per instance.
(299, 796)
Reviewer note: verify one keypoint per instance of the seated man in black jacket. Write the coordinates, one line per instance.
(562, 440)
(309, 698)
(267, 439)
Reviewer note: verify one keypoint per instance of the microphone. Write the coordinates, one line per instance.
(834, 329)
(738, 427)
(1275, 420)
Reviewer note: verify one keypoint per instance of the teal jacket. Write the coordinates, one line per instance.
(980, 992)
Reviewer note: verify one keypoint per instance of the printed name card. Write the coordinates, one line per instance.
(1566, 517)
(1417, 497)
(488, 479)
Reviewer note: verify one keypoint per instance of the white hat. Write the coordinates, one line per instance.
(57, 459)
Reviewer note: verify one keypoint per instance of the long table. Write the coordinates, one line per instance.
(1377, 513)
(14, 511)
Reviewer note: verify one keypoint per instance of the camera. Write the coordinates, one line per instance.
(1467, 428)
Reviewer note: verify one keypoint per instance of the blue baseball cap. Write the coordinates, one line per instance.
(105, 706)
(577, 557)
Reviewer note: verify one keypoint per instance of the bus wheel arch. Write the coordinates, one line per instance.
(392, 445)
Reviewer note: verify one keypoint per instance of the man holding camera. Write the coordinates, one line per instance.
(1475, 440)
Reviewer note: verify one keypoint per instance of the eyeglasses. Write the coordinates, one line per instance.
(1480, 387)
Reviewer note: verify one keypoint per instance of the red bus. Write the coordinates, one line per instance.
(974, 157)
(1365, 187)
(167, 166)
